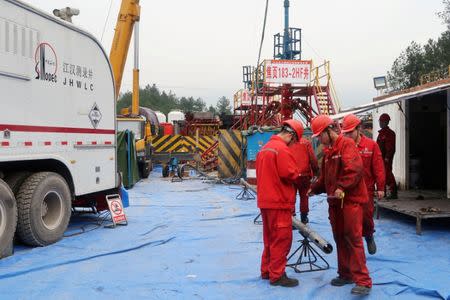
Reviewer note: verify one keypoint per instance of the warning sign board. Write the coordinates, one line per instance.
(116, 209)
(296, 72)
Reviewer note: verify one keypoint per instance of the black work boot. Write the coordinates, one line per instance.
(304, 218)
(285, 281)
(392, 196)
(339, 281)
(393, 193)
(361, 290)
(371, 246)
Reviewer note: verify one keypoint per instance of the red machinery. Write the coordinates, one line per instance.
(267, 103)
(277, 88)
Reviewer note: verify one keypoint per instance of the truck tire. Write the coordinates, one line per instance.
(165, 171)
(8, 219)
(180, 171)
(43, 206)
(144, 169)
(15, 180)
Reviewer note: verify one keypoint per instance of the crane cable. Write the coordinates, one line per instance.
(263, 33)
(260, 50)
(106, 21)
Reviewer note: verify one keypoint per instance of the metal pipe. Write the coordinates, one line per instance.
(313, 236)
(136, 45)
(304, 229)
(286, 38)
(135, 97)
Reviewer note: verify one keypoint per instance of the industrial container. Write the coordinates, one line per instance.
(175, 115)
(255, 142)
(167, 128)
(161, 117)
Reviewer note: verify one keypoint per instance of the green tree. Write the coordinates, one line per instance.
(190, 104)
(153, 98)
(445, 14)
(418, 60)
(212, 110)
(407, 68)
(223, 106)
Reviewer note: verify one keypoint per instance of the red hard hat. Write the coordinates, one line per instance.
(349, 123)
(385, 118)
(296, 125)
(320, 123)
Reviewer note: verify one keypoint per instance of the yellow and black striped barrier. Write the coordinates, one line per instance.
(181, 143)
(230, 153)
(167, 143)
(202, 142)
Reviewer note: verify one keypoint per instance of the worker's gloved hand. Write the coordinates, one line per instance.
(339, 193)
(380, 194)
(304, 218)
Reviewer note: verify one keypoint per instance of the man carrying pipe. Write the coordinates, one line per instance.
(342, 179)
(373, 173)
(276, 172)
(304, 229)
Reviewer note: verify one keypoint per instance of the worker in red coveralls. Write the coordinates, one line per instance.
(342, 179)
(308, 167)
(386, 141)
(276, 172)
(373, 173)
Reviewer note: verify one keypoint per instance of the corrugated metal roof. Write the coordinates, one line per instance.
(419, 91)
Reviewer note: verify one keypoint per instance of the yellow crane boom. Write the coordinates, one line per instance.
(127, 19)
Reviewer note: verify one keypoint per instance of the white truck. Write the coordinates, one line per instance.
(57, 125)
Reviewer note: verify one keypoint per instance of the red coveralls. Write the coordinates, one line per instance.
(276, 171)
(373, 173)
(307, 163)
(342, 168)
(386, 141)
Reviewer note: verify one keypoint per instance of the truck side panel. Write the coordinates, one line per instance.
(57, 97)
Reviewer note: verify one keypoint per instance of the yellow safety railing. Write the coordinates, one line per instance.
(237, 97)
(435, 75)
(321, 77)
(258, 77)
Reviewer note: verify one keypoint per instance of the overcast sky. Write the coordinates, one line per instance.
(198, 47)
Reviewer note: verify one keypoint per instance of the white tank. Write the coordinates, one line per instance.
(161, 117)
(175, 115)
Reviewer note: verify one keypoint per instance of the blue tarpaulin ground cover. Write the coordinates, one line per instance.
(194, 240)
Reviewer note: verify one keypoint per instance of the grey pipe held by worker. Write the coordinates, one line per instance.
(304, 230)
(313, 236)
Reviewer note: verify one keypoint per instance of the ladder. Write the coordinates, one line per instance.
(323, 90)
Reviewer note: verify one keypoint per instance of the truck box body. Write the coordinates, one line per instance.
(57, 97)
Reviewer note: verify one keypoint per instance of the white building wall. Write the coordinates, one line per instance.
(398, 125)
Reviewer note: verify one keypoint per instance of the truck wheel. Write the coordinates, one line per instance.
(144, 169)
(43, 203)
(180, 171)
(8, 219)
(165, 171)
(15, 180)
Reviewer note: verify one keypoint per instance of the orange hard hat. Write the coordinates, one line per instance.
(296, 126)
(385, 118)
(350, 123)
(320, 123)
